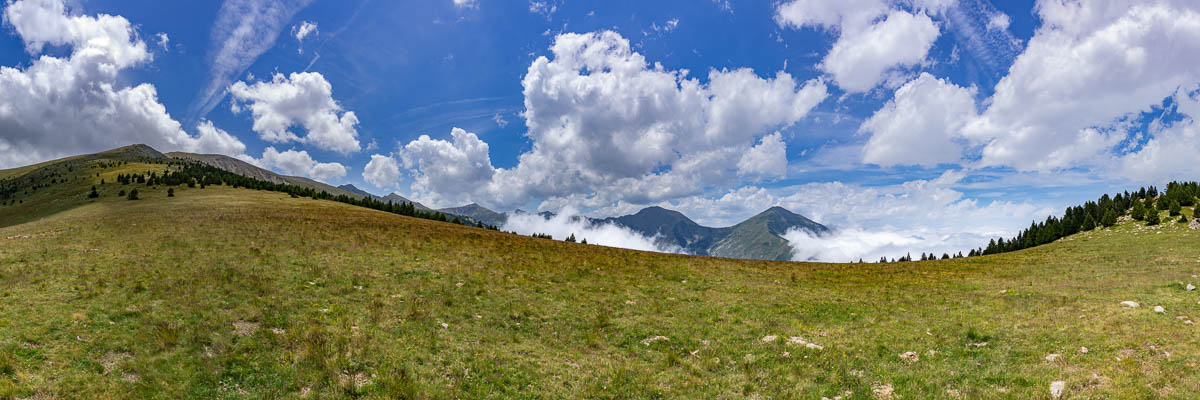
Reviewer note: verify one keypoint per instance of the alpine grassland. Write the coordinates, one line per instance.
(234, 293)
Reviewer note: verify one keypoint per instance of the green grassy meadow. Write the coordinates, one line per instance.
(240, 294)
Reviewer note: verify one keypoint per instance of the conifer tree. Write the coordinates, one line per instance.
(1151, 217)
(94, 193)
(571, 238)
(1139, 211)
(1109, 219)
(133, 194)
(1175, 209)
(1088, 223)
(170, 192)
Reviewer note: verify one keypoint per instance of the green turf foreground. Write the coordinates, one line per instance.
(240, 294)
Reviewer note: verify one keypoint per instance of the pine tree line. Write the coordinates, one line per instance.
(192, 174)
(1145, 204)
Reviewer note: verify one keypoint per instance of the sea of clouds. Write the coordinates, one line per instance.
(569, 222)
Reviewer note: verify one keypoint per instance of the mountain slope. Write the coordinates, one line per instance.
(478, 213)
(248, 170)
(392, 197)
(760, 237)
(398, 199)
(672, 228)
(354, 189)
(223, 292)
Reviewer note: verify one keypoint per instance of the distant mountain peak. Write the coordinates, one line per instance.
(779, 220)
(759, 237)
(354, 189)
(479, 213)
(134, 150)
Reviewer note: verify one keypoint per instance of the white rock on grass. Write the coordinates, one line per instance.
(845, 395)
(653, 339)
(1159, 309)
(769, 338)
(1052, 357)
(1190, 287)
(1057, 388)
(1129, 304)
(813, 346)
(883, 391)
(1083, 350)
(910, 356)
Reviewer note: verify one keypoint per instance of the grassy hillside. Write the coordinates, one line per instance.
(235, 293)
(248, 170)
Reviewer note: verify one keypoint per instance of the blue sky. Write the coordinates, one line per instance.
(984, 114)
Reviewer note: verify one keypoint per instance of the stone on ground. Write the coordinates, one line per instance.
(883, 391)
(1057, 388)
(1129, 304)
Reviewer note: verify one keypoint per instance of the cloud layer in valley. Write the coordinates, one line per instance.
(570, 222)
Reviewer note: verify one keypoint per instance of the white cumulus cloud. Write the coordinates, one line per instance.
(1071, 99)
(1171, 152)
(382, 171)
(304, 99)
(302, 31)
(1090, 67)
(446, 170)
(768, 158)
(921, 125)
(607, 125)
(78, 103)
(874, 38)
(292, 162)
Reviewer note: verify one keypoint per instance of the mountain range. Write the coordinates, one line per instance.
(392, 197)
(759, 237)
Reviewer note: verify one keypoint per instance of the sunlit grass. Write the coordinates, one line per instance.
(234, 293)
